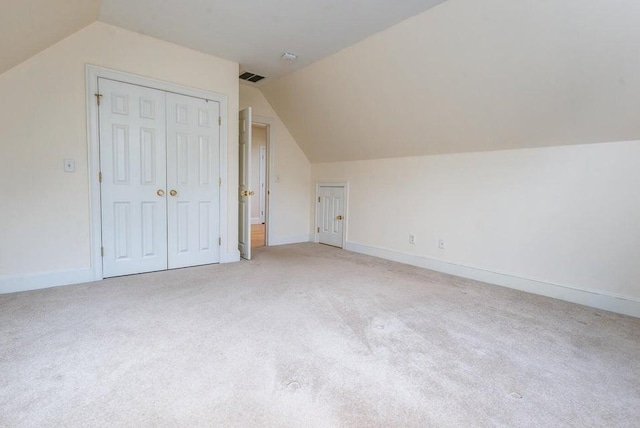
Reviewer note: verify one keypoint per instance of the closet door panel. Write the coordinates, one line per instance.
(133, 166)
(193, 201)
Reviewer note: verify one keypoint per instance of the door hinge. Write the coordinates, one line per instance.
(318, 230)
(219, 181)
(318, 199)
(219, 120)
(102, 251)
(219, 241)
(98, 96)
(100, 176)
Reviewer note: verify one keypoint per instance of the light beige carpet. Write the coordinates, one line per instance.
(307, 335)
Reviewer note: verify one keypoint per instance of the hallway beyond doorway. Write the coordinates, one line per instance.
(258, 235)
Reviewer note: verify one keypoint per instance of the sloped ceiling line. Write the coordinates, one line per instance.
(30, 26)
(472, 75)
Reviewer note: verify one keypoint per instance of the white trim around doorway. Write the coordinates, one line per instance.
(271, 168)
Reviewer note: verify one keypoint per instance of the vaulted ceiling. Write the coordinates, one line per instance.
(256, 33)
(30, 26)
(467, 75)
(472, 75)
(253, 33)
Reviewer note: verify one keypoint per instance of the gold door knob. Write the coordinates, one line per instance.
(339, 217)
(251, 193)
(160, 192)
(173, 192)
(248, 193)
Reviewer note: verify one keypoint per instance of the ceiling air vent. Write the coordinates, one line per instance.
(251, 77)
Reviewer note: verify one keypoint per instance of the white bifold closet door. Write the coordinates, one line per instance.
(159, 159)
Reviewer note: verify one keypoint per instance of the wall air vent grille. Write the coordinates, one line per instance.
(251, 77)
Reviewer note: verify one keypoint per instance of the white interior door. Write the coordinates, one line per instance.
(193, 188)
(331, 215)
(160, 190)
(244, 191)
(133, 191)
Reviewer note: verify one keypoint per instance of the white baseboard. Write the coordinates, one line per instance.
(15, 283)
(37, 281)
(593, 298)
(284, 240)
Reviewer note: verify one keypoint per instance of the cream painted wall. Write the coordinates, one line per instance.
(472, 75)
(290, 194)
(44, 220)
(29, 26)
(562, 215)
(258, 138)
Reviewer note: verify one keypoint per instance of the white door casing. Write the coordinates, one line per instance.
(193, 144)
(94, 98)
(270, 185)
(331, 214)
(244, 183)
(263, 182)
(133, 158)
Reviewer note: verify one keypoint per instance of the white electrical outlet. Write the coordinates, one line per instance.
(441, 244)
(412, 239)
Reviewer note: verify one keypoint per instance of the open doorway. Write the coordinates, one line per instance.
(259, 139)
(255, 181)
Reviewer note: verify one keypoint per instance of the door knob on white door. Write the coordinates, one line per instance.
(173, 192)
(160, 192)
(340, 217)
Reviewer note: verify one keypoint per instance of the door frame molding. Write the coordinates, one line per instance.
(262, 183)
(345, 186)
(271, 169)
(93, 73)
